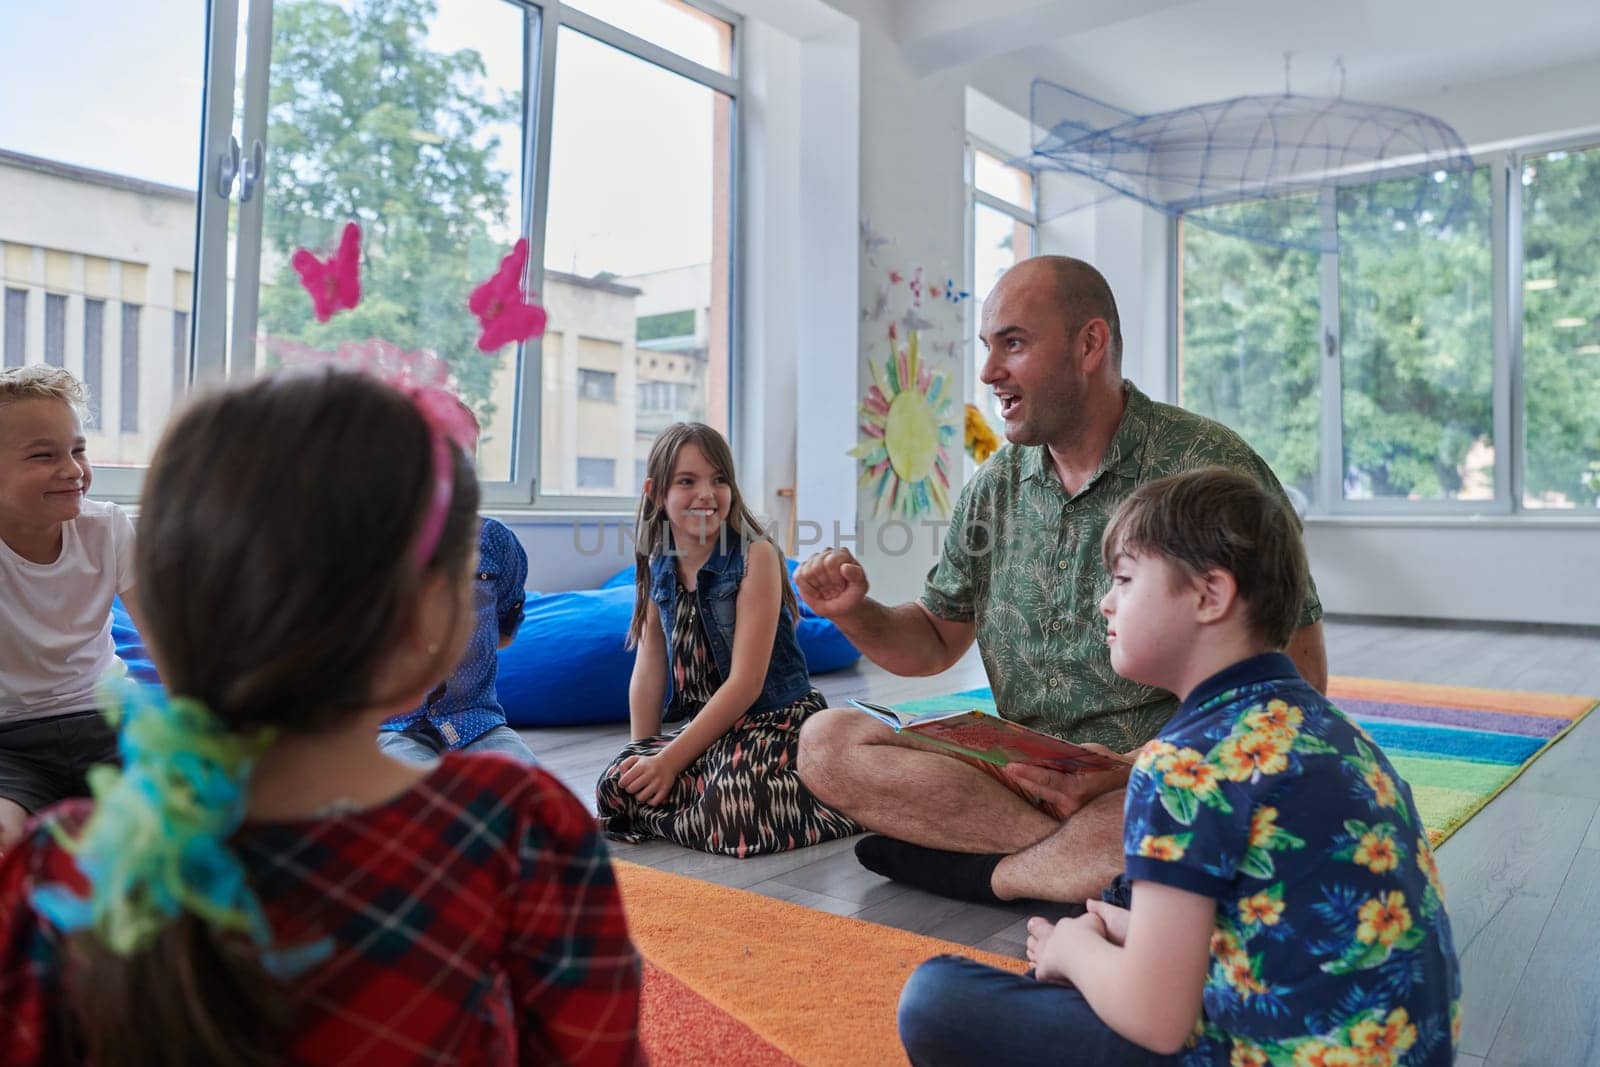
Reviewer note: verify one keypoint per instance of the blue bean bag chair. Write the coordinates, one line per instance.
(567, 665)
(130, 646)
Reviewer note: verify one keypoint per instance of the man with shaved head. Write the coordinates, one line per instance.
(1021, 574)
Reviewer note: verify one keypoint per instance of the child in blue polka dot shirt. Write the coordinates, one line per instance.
(464, 713)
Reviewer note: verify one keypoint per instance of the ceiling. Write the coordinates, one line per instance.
(1151, 55)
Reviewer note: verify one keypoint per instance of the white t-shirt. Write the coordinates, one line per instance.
(55, 618)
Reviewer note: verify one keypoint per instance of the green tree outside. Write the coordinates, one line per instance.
(1416, 323)
(368, 123)
(1561, 328)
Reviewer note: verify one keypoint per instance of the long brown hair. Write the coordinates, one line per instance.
(650, 530)
(275, 573)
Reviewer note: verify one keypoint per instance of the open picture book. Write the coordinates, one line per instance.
(991, 742)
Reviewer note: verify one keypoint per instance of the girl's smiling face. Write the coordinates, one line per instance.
(698, 497)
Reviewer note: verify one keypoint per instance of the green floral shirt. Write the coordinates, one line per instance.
(1022, 560)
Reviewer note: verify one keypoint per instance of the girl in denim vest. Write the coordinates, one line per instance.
(714, 628)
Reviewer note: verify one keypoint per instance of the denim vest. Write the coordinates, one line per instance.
(716, 590)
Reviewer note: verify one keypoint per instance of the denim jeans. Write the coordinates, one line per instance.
(422, 744)
(957, 1011)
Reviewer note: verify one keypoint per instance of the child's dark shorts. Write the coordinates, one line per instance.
(46, 760)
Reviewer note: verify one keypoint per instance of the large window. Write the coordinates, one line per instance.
(1382, 375)
(1001, 231)
(640, 198)
(1416, 345)
(602, 131)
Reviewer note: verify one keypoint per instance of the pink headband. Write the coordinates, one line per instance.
(420, 376)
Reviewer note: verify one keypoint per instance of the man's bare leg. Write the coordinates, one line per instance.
(1075, 863)
(898, 787)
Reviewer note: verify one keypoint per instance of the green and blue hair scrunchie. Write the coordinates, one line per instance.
(157, 842)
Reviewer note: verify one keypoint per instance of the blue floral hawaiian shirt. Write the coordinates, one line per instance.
(1332, 947)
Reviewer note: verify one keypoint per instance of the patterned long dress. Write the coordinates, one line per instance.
(742, 796)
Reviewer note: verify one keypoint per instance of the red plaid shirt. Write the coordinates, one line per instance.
(474, 919)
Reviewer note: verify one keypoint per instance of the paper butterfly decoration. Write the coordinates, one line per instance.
(334, 283)
(880, 304)
(871, 239)
(503, 307)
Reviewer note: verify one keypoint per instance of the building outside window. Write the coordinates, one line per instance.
(600, 385)
(597, 473)
(55, 329)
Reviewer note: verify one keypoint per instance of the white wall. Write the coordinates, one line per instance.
(572, 551)
(1549, 102)
(1493, 571)
(913, 138)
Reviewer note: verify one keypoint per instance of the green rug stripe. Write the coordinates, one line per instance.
(1464, 776)
(1442, 808)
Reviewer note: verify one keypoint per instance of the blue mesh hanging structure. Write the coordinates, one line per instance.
(1269, 156)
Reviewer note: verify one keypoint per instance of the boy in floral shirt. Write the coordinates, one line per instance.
(1286, 907)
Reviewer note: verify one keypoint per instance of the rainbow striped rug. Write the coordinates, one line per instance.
(1457, 747)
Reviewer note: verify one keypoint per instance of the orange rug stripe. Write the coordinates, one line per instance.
(1553, 705)
(821, 988)
(679, 1026)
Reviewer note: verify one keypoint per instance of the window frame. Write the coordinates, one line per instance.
(522, 492)
(972, 145)
(1504, 161)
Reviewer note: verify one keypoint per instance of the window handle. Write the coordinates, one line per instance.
(251, 176)
(228, 168)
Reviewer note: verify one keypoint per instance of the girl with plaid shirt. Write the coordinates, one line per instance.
(260, 884)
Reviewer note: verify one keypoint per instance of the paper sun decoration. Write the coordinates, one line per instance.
(907, 430)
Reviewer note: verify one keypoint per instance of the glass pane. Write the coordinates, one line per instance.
(990, 174)
(998, 243)
(672, 24)
(1561, 329)
(636, 259)
(404, 116)
(1248, 351)
(1417, 352)
(97, 203)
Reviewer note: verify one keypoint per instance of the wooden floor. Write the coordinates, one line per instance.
(1522, 878)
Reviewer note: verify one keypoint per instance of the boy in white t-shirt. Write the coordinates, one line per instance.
(62, 560)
